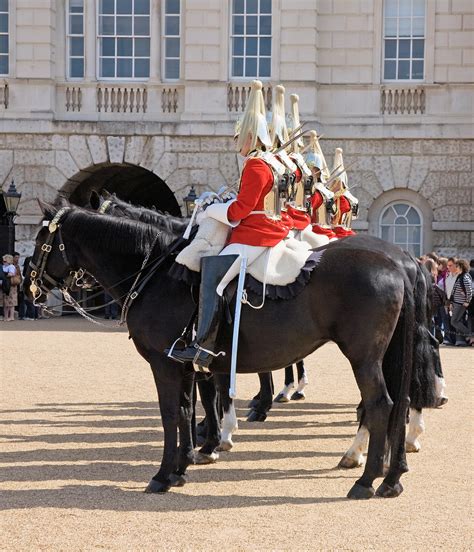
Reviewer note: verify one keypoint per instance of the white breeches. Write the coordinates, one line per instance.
(251, 252)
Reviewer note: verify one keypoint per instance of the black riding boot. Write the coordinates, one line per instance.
(201, 350)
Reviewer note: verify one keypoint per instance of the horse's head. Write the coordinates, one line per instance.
(50, 266)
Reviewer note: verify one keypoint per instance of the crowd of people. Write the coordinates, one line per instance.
(453, 302)
(12, 299)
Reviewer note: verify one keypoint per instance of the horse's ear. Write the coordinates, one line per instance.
(95, 200)
(106, 194)
(47, 209)
(62, 202)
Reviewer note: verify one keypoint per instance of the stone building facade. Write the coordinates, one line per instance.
(407, 141)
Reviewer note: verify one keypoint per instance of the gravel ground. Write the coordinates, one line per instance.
(80, 438)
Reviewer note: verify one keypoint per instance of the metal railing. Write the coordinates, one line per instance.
(402, 101)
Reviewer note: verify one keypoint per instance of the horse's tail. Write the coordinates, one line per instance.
(426, 359)
(398, 364)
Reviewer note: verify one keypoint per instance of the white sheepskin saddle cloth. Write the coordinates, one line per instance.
(280, 266)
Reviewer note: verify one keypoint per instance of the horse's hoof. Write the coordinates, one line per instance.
(413, 447)
(178, 480)
(386, 491)
(358, 492)
(255, 416)
(349, 463)
(280, 398)
(158, 487)
(201, 458)
(441, 402)
(225, 446)
(297, 396)
(253, 403)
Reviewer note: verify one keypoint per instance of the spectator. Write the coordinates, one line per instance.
(19, 279)
(460, 299)
(451, 276)
(10, 299)
(439, 300)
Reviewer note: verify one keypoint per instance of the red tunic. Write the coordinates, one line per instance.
(258, 229)
(316, 202)
(345, 207)
(301, 219)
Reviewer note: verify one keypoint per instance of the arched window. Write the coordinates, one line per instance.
(401, 223)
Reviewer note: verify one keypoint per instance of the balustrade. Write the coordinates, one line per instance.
(237, 96)
(402, 101)
(4, 95)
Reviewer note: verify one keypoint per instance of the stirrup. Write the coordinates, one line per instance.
(200, 349)
(171, 349)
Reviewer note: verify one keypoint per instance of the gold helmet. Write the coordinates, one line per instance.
(253, 121)
(338, 167)
(314, 156)
(296, 145)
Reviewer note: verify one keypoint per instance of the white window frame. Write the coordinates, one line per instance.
(397, 37)
(410, 205)
(7, 34)
(164, 37)
(69, 35)
(244, 78)
(115, 36)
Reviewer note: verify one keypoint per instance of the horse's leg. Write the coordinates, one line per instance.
(229, 420)
(416, 426)
(378, 406)
(168, 380)
(186, 448)
(354, 457)
(299, 394)
(207, 453)
(284, 395)
(260, 410)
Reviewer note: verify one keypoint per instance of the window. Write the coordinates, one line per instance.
(404, 39)
(124, 39)
(251, 36)
(171, 39)
(75, 39)
(400, 223)
(4, 37)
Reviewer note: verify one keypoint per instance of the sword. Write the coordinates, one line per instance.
(235, 335)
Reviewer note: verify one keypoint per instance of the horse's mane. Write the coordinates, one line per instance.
(174, 225)
(122, 235)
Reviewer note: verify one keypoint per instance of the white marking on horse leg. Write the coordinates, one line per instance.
(416, 427)
(440, 386)
(302, 383)
(229, 425)
(354, 457)
(284, 394)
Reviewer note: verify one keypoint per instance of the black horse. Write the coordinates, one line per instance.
(357, 297)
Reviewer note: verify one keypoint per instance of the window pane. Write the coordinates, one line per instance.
(265, 6)
(238, 67)
(238, 27)
(389, 216)
(401, 209)
(264, 67)
(390, 8)
(401, 235)
(238, 6)
(417, 69)
(415, 250)
(4, 5)
(403, 70)
(3, 65)
(75, 23)
(172, 47)
(142, 26)
(265, 46)
(238, 49)
(142, 47)
(172, 6)
(418, 26)
(142, 7)
(414, 234)
(75, 6)
(142, 68)
(124, 67)
(124, 26)
(77, 46)
(106, 26)
(250, 67)
(385, 233)
(124, 47)
(106, 6)
(390, 27)
(404, 8)
(404, 48)
(419, 7)
(107, 67)
(404, 27)
(4, 44)
(418, 48)
(172, 25)
(172, 68)
(108, 47)
(390, 48)
(76, 68)
(124, 6)
(251, 45)
(265, 25)
(252, 6)
(390, 69)
(412, 216)
(252, 25)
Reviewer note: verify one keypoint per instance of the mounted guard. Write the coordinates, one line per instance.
(347, 206)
